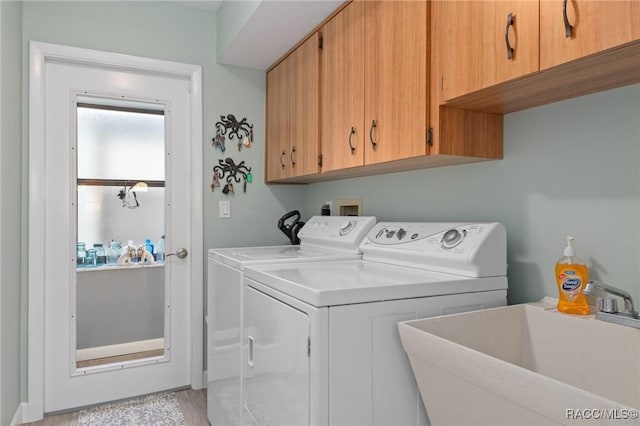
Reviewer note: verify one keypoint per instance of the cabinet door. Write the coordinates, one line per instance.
(395, 76)
(474, 39)
(277, 143)
(304, 142)
(597, 26)
(342, 89)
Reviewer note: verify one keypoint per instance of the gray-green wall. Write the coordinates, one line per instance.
(10, 213)
(569, 168)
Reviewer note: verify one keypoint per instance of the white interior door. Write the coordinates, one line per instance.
(67, 384)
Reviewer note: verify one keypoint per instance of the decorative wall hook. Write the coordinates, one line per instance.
(241, 130)
(218, 140)
(231, 172)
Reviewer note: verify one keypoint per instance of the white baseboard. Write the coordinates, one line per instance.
(119, 349)
(31, 412)
(18, 416)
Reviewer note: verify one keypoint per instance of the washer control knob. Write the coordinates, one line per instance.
(391, 233)
(452, 238)
(347, 227)
(401, 233)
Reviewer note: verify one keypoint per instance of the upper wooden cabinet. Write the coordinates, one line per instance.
(292, 146)
(277, 138)
(374, 84)
(385, 86)
(396, 74)
(304, 104)
(577, 28)
(600, 51)
(378, 112)
(342, 89)
(483, 43)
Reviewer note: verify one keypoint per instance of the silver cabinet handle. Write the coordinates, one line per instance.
(251, 342)
(373, 126)
(568, 28)
(181, 253)
(506, 36)
(353, 148)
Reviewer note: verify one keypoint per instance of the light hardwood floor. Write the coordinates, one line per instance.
(192, 402)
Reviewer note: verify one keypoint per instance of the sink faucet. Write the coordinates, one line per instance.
(608, 309)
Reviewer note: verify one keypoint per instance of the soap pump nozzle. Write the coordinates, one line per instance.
(569, 250)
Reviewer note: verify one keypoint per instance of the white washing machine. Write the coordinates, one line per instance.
(321, 339)
(322, 238)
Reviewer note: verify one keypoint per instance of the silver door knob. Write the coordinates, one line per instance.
(181, 253)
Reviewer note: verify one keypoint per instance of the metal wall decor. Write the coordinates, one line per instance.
(231, 172)
(241, 130)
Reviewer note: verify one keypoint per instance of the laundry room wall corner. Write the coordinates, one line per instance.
(254, 213)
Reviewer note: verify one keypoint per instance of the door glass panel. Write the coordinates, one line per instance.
(120, 199)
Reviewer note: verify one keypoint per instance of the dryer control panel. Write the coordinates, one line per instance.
(336, 232)
(470, 249)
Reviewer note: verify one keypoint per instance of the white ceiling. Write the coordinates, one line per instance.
(274, 28)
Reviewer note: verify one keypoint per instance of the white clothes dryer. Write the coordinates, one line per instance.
(321, 339)
(323, 238)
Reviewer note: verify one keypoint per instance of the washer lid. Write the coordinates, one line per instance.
(346, 282)
(240, 257)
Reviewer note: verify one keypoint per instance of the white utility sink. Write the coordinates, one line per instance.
(525, 365)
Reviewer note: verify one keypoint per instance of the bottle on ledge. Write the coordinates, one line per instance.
(160, 254)
(148, 246)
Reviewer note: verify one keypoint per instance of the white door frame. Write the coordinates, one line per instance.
(39, 54)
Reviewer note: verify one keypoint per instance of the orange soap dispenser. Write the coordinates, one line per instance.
(571, 276)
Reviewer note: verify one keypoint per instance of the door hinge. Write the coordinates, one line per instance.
(320, 42)
(309, 347)
(430, 136)
(320, 160)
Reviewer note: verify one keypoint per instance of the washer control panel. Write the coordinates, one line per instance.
(438, 246)
(398, 234)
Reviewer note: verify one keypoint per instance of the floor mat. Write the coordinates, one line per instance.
(158, 410)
